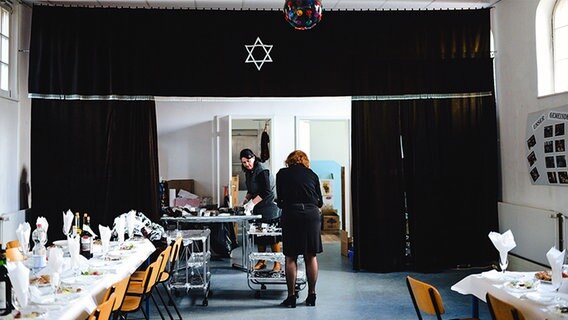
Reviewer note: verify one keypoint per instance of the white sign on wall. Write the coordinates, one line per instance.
(546, 147)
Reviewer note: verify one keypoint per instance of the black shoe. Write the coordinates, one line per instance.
(311, 300)
(290, 302)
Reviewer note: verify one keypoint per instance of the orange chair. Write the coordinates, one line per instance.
(14, 254)
(426, 298)
(501, 310)
(103, 310)
(13, 244)
(118, 289)
(139, 291)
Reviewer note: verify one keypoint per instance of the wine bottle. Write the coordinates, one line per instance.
(5, 286)
(86, 238)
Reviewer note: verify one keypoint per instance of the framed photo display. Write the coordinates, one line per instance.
(546, 154)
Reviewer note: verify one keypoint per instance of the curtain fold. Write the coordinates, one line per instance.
(98, 157)
(377, 187)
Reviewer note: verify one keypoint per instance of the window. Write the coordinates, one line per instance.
(560, 45)
(4, 50)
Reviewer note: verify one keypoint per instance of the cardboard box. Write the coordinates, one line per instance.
(345, 242)
(330, 222)
(180, 202)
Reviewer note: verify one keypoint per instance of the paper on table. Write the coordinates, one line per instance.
(503, 243)
(67, 221)
(23, 233)
(20, 278)
(186, 194)
(556, 260)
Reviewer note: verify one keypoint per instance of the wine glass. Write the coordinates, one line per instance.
(503, 263)
(55, 282)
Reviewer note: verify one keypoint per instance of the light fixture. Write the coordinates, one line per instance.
(303, 14)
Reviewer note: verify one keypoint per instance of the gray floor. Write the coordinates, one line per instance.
(341, 294)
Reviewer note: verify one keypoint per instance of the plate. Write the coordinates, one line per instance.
(60, 243)
(560, 309)
(545, 298)
(521, 286)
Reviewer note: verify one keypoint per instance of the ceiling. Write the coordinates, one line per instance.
(278, 4)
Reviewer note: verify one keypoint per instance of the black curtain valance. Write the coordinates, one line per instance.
(103, 51)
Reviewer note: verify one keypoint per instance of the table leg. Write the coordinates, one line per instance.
(243, 265)
(474, 307)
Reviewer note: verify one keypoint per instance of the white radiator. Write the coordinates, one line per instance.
(535, 230)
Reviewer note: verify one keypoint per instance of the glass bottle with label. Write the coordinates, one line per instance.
(86, 238)
(5, 286)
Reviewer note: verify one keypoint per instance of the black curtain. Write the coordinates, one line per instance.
(377, 188)
(446, 182)
(451, 179)
(98, 157)
(102, 51)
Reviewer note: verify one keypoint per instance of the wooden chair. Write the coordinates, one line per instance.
(14, 254)
(426, 298)
(103, 310)
(501, 310)
(119, 290)
(139, 291)
(13, 244)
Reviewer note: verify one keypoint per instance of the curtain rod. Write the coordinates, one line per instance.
(89, 97)
(425, 96)
(250, 9)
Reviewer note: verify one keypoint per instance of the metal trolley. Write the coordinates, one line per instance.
(259, 279)
(193, 266)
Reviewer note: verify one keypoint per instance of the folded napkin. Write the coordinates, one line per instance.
(503, 243)
(20, 278)
(556, 260)
(67, 222)
(77, 260)
(131, 222)
(23, 234)
(119, 228)
(105, 237)
(43, 222)
(55, 259)
(88, 228)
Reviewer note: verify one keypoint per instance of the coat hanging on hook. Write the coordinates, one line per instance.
(264, 140)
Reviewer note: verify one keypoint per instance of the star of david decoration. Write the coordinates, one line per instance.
(262, 47)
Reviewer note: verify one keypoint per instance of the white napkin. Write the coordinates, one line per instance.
(77, 260)
(556, 259)
(503, 242)
(105, 237)
(88, 228)
(43, 221)
(20, 278)
(23, 233)
(130, 222)
(55, 259)
(119, 228)
(67, 221)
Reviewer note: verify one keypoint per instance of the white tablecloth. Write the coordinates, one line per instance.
(479, 284)
(93, 287)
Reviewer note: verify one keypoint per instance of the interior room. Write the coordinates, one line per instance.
(435, 128)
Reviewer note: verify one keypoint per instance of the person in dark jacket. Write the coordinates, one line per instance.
(260, 200)
(299, 196)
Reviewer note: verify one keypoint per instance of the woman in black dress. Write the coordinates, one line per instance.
(260, 200)
(299, 196)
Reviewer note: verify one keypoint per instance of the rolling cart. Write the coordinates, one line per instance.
(193, 269)
(258, 280)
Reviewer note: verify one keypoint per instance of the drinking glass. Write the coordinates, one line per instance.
(55, 281)
(503, 263)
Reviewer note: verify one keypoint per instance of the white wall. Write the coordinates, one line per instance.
(517, 95)
(185, 131)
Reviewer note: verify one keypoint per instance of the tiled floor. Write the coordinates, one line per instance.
(341, 294)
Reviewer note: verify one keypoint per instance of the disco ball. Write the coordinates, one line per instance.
(303, 14)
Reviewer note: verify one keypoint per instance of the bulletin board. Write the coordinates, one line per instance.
(546, 147)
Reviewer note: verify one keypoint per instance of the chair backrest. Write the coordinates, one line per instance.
(13, 244)
(119, 289)
(501, 310)
(152, 273)
(103, 310)
(176, 250)
(165, 258)
(425, 297)
(14, 254)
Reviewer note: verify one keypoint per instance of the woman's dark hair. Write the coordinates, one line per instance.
(248, 154)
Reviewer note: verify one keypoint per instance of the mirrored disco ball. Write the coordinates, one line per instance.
(303, 14)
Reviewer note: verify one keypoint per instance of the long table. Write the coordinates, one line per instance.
(243, 220)
(79, 305)
(537, 303)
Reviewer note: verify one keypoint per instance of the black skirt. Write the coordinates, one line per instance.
(301, 230)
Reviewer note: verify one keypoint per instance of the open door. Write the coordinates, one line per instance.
(223, 129)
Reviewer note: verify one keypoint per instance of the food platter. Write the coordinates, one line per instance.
(521, 286)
